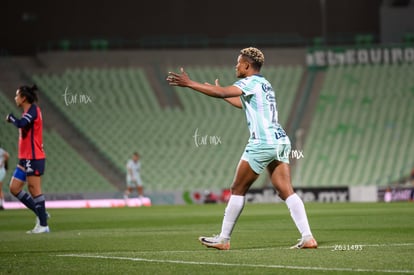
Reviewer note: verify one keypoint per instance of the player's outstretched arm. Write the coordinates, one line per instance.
(183, 80)
(235, 101)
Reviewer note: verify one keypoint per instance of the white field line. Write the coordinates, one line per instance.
(342, 244)
(91, 256)
(286, 248)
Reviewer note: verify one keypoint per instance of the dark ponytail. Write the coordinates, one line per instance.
(29, 93)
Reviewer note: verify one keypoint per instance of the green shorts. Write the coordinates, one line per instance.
(259, 156)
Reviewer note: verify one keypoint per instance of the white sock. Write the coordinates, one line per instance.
(298, 214)
(231, 214)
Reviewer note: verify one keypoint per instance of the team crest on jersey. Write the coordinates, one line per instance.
(270, 95)
(267, 88)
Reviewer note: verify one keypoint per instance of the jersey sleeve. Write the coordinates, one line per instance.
(26, 119)
(243, 84)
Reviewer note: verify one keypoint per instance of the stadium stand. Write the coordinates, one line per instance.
(8, 135)
(361, 132)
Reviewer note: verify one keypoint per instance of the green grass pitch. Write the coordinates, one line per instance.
(354, 238)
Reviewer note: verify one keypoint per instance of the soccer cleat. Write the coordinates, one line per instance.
(38, 221)
(38, 229)
(305, 242)
(216, 242)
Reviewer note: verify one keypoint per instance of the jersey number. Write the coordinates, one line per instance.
(273, 110)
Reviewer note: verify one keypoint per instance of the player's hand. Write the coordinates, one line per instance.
(175, 79)
(8, 118)
(217, 83)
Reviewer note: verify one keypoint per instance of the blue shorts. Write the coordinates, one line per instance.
(259, 156)
(33, 167)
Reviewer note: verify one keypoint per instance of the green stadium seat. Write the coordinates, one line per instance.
(362, 127)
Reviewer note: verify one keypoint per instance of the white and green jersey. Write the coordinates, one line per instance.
(259, 102)
(133, 170)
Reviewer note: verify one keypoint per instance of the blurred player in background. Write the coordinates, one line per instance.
(133, 177)
(4, 156)
(268, 147)
(32, 157)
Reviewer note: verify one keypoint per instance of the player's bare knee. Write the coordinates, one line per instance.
(17, 181)
(236, 189)
(14, 189)
(284, 194)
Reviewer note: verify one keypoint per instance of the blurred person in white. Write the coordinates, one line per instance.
(133, 177)
(4, 157)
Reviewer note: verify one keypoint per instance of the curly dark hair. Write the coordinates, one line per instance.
(255, 55)
(29, 93)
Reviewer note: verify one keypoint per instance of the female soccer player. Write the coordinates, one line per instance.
(31, 156)
(268, 145)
